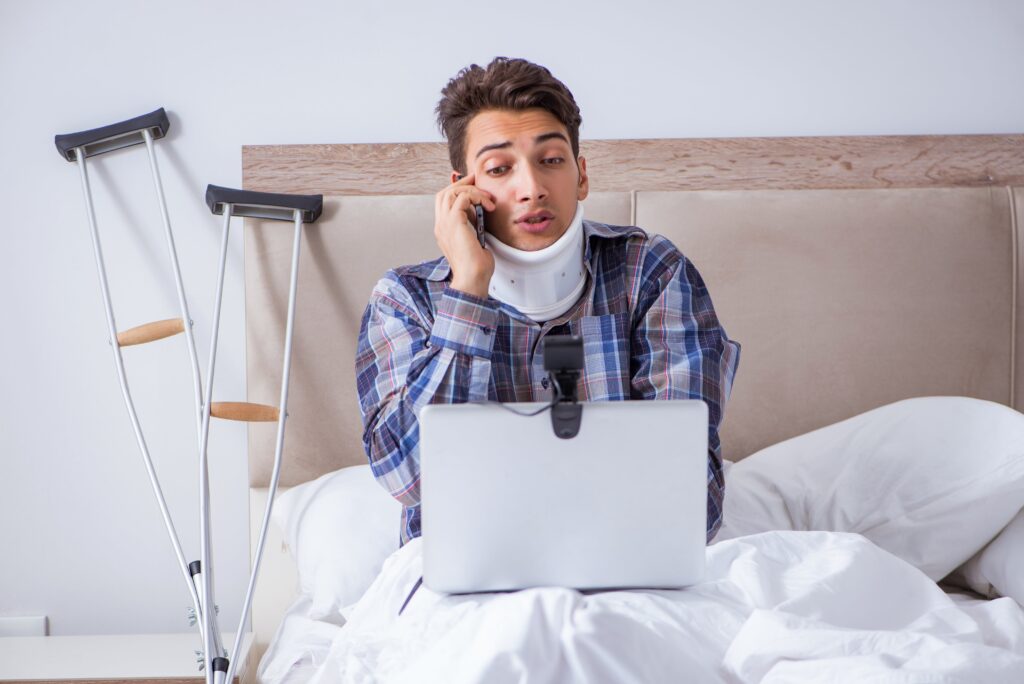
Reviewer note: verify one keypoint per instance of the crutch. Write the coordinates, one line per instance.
(298, 209)
(77, 147)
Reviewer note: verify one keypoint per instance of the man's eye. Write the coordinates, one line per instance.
(557, 160)
(496, 168)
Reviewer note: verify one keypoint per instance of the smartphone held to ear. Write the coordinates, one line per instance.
(479, 219)
(479, 223)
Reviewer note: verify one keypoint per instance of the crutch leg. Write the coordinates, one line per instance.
(78, 147)
(279, 447)
(212, 647)
(299, 209)
(186, 319)
(176, 269)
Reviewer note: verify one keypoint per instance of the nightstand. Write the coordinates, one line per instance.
(135, 658)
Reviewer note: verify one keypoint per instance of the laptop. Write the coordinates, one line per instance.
(507, 505)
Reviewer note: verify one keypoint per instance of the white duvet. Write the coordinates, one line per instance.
(776, 607)
(918, 486)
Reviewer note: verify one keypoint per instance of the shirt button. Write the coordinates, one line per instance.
(544, 383)
(486, 330)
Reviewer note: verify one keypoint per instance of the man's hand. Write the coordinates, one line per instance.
(455, 232)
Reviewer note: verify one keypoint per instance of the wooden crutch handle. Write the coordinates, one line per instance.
(242, 410)
(149, 332)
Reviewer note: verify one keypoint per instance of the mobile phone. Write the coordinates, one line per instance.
(479, 223)
(479, 219)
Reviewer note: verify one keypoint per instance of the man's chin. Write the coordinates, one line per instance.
(532, 239)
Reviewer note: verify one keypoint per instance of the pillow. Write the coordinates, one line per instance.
(931, 480)
(998, 570)
(339, 528)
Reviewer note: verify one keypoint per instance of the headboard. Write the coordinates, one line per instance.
(854, 271)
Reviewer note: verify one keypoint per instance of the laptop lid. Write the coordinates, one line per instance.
(508, 505)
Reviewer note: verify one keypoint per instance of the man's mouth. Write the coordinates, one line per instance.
(535, 222)
(535, 226)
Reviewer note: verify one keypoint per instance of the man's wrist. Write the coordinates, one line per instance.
(465, 323)
(477, 288)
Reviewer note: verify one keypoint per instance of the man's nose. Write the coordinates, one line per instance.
(530, 187)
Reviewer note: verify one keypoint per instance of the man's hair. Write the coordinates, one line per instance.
(514, 84)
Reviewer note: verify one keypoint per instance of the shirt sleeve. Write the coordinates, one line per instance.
(408, 358)
(681, 351)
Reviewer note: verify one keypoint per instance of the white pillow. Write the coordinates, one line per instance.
(339, 528)
(931, 480)
(998, 570)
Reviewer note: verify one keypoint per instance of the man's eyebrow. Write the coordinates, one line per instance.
(539, 139)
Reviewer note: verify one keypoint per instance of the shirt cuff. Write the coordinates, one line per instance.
(465, 323)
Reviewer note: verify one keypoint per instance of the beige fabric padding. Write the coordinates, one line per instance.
(343, 255)
(845, 300)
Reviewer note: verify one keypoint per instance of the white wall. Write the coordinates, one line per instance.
(80, 535)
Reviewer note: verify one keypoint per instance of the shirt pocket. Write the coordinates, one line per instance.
(606, 357)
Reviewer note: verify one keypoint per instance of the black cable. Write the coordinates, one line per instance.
(558, 397)
(411, 594)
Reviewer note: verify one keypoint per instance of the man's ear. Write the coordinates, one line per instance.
(583, 188)
(456, 176)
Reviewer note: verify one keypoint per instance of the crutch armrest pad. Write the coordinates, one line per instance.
(267, 205)
(244, 411)
(150, 332)
(114, 136)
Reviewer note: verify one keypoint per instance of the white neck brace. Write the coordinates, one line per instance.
(544, 284)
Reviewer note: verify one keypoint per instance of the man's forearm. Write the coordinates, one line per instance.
(453, 367)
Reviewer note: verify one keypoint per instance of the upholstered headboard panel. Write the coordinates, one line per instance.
(847, 287)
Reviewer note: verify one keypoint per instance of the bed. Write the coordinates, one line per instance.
(875, 284)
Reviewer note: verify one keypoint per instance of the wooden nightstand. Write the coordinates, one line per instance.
(135, 658)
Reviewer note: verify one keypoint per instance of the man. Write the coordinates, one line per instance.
(468, 326)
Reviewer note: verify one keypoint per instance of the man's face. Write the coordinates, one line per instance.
(524, 159)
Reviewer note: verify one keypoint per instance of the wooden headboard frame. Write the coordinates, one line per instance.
(920, 161)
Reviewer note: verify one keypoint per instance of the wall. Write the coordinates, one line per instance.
(81, 535)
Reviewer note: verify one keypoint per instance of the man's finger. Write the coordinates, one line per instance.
(467, 198)
(478, 196)
(486, 199)
(462, 200)
(464, 203)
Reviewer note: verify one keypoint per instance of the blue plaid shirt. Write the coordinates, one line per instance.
(649, 332)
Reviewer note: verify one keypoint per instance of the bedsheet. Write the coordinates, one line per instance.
(779, 606)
